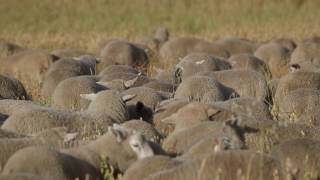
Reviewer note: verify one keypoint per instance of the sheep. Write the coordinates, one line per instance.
(145, 129)
(276, 56)
(121, 52)
(11, 88)
(228, 165)
(118, 68)
(165, 75)
(67, 93)
(198, 62)
(106, 108)
(144, 103)
(146, 166)
(159, 85)
(306, 55)
(66, 68)
(174, 49)
(27, 65)
(285, 42)
(245, 83)
(299, 157)
(55, 137)
(9, 49)
(121, 146)
(295, 80)
(165, 109)
(230, 137)
(248, 106)
(69, 53)
(269, 136)
(301, 106)
(125, 76)
(237, 45)
(249, 62)
(203, 89)
(162, 34)
(49, 163)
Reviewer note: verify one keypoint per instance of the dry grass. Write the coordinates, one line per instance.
(83, 24)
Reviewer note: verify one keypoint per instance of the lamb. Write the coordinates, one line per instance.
(27, 65)
(8, 49)
(301, 106)
(276, 56)
(249, 62)
(237, 45)
(106, 108)
(121, 52)
(250, 83)
(120, 145)
(299, 157)
(55, 137)
(66, 68)
(174, 49)
(198, 62)
(228, 165)
(203, 89)
(67, 93)
(293, 81)
(11, 88)
(307, 55)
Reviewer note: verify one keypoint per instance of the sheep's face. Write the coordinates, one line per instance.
(140, 146)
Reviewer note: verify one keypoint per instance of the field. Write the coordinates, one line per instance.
(83, 23)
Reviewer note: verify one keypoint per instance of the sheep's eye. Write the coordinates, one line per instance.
(135, 145)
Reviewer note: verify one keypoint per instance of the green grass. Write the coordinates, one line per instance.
(83, 23)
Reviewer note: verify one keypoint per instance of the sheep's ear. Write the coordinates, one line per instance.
(70, 137)
(76, 58)
(139, 106)
(119, 132)
(128, 97)
(90, 97)
(104, 84)
(130, 83)
(212, 111)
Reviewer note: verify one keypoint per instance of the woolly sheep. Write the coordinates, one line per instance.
(249, 62)
(293, 81)
(118, 68)
(67, 93)
(245, 83)
(276, 56)
(11, 88)
(27, 65)
(106, 108)
(198, 62)
(125, 76)
(66, 68)
(288, 43)
(159, 85)
(203, 89)
(301, 106)
(173, 50)
(237, 45)
(121, 52)
(226, 165)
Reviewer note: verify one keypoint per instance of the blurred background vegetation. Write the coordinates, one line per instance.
(83, 23)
